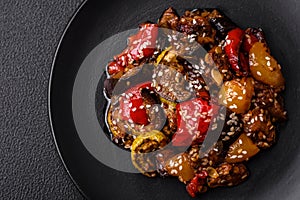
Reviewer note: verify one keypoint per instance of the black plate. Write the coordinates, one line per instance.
(275, 173)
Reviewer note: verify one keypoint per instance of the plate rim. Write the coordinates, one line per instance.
(49, 90)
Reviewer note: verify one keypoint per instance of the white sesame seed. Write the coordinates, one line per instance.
(134, 109)
(180, 167)
(258, 73)
(244, 152)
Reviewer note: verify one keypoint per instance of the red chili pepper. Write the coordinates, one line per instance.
(141, 45)
(193, 120)
(198, 181)
(233, 43)
(132, 105)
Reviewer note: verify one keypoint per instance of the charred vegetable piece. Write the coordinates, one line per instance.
(197, 184)
(109, 85)
(237, 94)
(264, 67)
(228, 175)
(192, 22)
(141, 45)
(232, 46)
(217, 57)
(179, 165)
(193, 119)
(269, 98)
(259, 128)
(170, 84)
(221, 23)
(253, 35)
(132, 105)
(169, 19)
(143, 144)
(242, 149)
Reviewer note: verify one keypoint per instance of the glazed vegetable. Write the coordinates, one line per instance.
(229, 174)
(236, 94)
(264, 67)
(197, 184)
(141, 45)
(193, 119)
(242, 149)
(143, 144)
(179, 165)
(169, 19)
(132, 105)
(252, 35)
(221, 23)
(232, 46)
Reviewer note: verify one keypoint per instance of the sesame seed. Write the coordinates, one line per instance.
(240, 141)
(230, 133)
(240, 156)
(268, 58)
(180, 167)
(244, 152)
(258, 73)
(214, 127)
(134, 109)
(268, 63)
(174, 171)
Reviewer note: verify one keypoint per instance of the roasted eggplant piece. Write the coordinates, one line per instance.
(221, 23)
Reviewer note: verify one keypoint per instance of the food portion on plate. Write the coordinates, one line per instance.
(162, 107)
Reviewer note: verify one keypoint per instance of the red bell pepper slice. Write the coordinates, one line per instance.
(193, 120)
(132, 105)
(141, 45)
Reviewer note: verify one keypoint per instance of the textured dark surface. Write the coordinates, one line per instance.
(30, 167)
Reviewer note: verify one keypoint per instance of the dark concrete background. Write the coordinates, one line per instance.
(30, 167)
